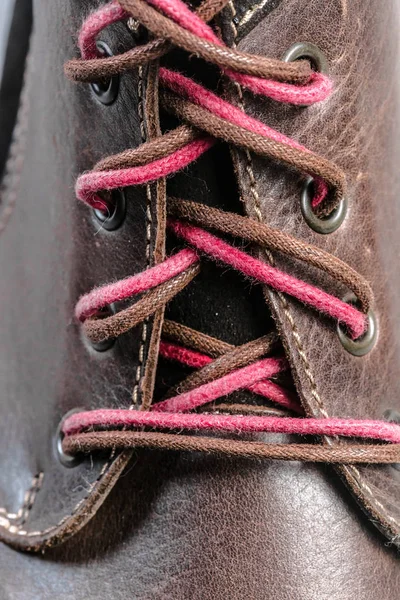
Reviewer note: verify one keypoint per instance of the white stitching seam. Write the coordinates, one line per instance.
(27, 507)
(289, 317)
(250, 12)
(257, 210)
(148, 240)
(14, 521)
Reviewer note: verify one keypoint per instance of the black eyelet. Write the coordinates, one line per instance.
(310, 52)
(106, 91)
(105, 345)
(67, 460)
(324, 225)
(364, 344)
(393, 417)
(115, 215)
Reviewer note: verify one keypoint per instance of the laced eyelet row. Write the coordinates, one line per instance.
(361, 346)
(329, 224)
(115, 216)
(159, 284)
(106, 92)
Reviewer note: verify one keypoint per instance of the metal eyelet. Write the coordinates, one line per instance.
(324, 225)
(364, 344)
(393, 417)
(67, 460)
(105, 345)
(106, 91)
(115, 215)
(310, 52)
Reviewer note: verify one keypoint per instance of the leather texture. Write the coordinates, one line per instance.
(178, 526)
(356, 128)
(52, 250)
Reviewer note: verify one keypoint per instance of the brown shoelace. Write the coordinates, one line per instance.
(119, 440)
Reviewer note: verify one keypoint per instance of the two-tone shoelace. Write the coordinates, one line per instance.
(219, 368)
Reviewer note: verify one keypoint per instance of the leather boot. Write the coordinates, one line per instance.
(200, 331)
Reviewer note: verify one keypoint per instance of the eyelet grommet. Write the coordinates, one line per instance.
(115, 216)
(364, 344)
(308, 51)
(105, 345)
(324, 225)
(67, 460)
(393, 416)
(106, 91)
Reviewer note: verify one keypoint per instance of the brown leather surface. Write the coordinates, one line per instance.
(358, 128)
(185, 527)
(51, 251)
(181, 526)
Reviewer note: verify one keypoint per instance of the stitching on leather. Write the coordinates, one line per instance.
(24, 533)
(302, 354)
(17, 529)
(15, 160)
(139, 369)
(257, 210)
(250, 12)
(253, 188)
(368, 490)
(14, 521)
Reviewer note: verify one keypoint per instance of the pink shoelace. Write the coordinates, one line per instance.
(175, 413)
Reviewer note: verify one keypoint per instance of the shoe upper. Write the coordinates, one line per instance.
(153, 524)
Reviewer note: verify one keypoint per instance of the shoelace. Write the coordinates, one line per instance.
(220, 368)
